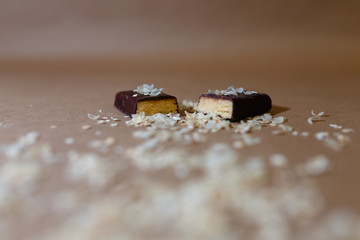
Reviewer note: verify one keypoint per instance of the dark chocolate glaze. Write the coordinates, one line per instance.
(125, 102)
(245, 105)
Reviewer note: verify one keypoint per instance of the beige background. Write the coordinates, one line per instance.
(254, 37)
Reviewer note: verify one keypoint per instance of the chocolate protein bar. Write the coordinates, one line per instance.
(234, 104)
(145, 99)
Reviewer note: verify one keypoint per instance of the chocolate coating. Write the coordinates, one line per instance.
(245, 105)
(126, 103)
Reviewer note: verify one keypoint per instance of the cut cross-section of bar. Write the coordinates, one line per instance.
(220, 107)
(151, 107)
(131, 102)
(234, 107)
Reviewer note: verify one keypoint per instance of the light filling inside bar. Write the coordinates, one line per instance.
(221, 107)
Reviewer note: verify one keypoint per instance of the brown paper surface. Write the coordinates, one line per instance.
(61, 60)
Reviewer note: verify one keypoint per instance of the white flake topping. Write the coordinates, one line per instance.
(148, 90)
(231, 91)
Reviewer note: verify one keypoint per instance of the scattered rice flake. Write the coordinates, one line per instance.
(238, 144)
(86, 127)
(336, 143)
(114, 119)
(321, 135)
(347, 130)
(149, 144)
(109, 141)
(315, 117)
(157, 120)
(30, 138)
(255, 168)
(305, 134)
(143, 134)
(69, 140)
(228, 183)
(96, 171)
(333, 144)
(250, 140)
(177, 127)
(335, 126)
(277, 132)
(101, 121)
(242, 128)
(53, 126)
(100, 111)
(295, 133)
(310, 120)
(93, 117)
(14, 150)
(342, 139)
(102, 145)
(278, 160)
(317, 165)
(145, 157)
(114, 124)
(188, 105)
(21, 175)
(197, 137)
(278, 120)
(285, 128)
(318, 114)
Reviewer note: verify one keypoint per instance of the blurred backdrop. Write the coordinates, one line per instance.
(255, 37)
